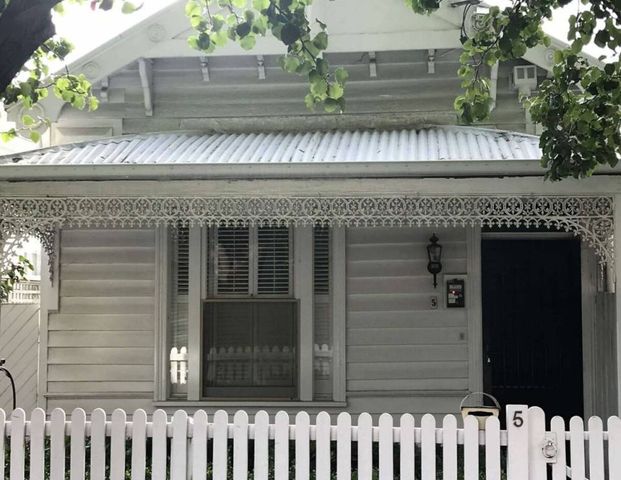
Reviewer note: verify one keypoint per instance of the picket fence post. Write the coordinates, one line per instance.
(517, 442)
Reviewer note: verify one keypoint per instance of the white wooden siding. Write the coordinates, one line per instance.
(100, 342)
(19, 334)
(401, 354)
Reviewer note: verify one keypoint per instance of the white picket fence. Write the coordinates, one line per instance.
(203, 446)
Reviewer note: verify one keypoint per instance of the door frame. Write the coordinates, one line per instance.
(588, 287)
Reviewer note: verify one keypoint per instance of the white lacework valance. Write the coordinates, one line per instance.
(590, 217)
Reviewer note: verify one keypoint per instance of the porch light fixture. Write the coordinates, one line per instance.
(434, 254)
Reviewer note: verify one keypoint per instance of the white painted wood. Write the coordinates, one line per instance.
(281, 446)
(179, 446)
(57, 445)
(386, 460)
(261, 445)
(588, 285)
(19, 333)
(139, 444)
(158, 445)
(537, 468)
(200, 432)
(474, 309)
(161, 288)
(117, 445)
(339, 311)
(517, 438)
(343, 446)
(195, 274)
(596, 449)
(449, 448)
(322, 446)
(492, 448)
(559, 468)
(49, 303)
(18, 433)
(303, 291)
(3, 432)
(428, 447)
(617, 234)
(98, 445)
(302, 446)
(576, 448)
(102, 338)
(365, 447)
(240, 445)
(220, 443)
(471, 448)
(37, 444)
(614, 447)
(407, 443)
(77, 450)
(388, 309)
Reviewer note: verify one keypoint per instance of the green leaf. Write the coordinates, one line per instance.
(248, 42)
(260, 4)
(243, 29)
(341, 75)
(27, 120)
(335, 91)
(321, 41)
(290, 64)
(129, 7)
(290, 34)
(35, 136)
(319, 88)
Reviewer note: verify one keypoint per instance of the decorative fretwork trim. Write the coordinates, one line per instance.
(590, 217)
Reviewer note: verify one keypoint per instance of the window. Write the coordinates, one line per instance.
(249, 321)
(246, 319)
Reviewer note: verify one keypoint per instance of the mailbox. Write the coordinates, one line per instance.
(455, 293)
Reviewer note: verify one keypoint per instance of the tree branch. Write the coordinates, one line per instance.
(24, 26)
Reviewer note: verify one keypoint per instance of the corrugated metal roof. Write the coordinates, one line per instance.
(426, 144)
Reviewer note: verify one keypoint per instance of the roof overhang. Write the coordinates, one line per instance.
(420, 169)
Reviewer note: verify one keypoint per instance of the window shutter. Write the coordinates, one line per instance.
(182, 256)
(321, 260)
(273, 260)
(233, 261)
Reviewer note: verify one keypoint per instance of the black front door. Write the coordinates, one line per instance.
(532, 323)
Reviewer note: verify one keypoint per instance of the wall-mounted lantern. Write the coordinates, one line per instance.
(434, 254)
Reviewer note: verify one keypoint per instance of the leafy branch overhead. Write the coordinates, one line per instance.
(305, 40)
(578, 106)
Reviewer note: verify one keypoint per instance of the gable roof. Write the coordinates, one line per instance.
(163, 34)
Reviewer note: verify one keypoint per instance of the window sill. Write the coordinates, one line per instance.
(249, 404)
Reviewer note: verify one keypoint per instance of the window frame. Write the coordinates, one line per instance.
(296, 323)
(302, 291)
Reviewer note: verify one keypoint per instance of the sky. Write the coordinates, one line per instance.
(88, 29)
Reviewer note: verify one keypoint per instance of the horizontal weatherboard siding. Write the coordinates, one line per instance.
(101, 340)
(398, 347)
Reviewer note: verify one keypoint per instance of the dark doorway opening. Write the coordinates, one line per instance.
(532, 323)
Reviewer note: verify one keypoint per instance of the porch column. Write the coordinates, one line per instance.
(617, 272)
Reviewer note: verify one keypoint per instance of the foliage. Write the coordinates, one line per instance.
(16, 273)
(579, 106)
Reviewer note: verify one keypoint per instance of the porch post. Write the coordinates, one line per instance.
(617, 271)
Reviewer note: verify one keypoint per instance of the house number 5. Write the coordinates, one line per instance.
(518, 421)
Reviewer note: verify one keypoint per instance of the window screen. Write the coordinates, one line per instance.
(250, 349)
